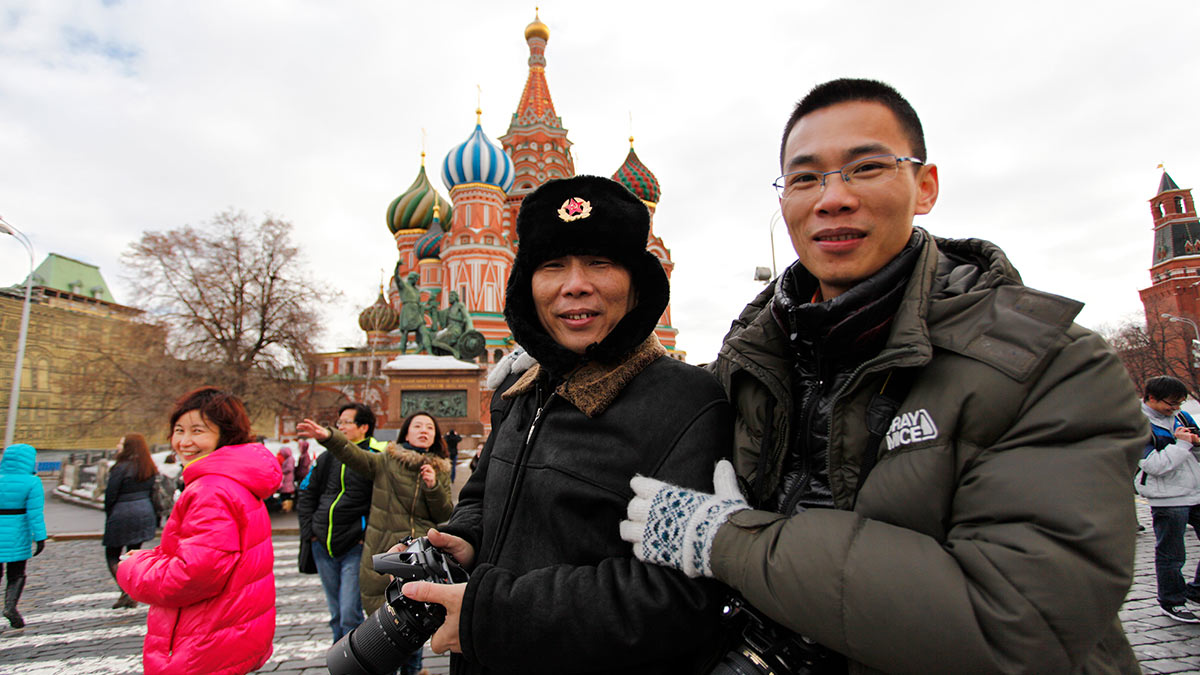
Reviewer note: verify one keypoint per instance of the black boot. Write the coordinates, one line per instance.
(12, 594)
(124, 601)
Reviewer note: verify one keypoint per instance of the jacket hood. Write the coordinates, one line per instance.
(18, 459)
(250, 464)
(286, 452)
(413, 459)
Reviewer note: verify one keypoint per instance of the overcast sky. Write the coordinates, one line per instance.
(1047, 121)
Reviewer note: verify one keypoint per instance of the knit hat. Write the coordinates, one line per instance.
(584, 215)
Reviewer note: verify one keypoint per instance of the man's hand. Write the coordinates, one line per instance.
(428, 475)
(310, 429)
(449, 596)
(458, 548)
(675, 526)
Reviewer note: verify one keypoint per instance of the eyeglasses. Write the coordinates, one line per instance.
(865, 172)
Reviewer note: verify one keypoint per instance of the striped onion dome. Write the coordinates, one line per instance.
(379, 317)
(413, 209)
(635, 176)
(478, 160)
(429, 244)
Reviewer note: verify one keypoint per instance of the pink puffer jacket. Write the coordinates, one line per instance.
(210, 584)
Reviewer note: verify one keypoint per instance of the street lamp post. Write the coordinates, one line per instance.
(1195, 343)
(11, 423)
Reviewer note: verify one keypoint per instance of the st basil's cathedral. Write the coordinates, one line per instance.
(466, 244)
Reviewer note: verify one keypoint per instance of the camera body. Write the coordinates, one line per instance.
(763, 647)
(402, 625)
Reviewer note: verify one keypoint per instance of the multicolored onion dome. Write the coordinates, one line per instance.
(379, 317)
(478, 160)
(635, 176)
(429, 245)
(413, 209)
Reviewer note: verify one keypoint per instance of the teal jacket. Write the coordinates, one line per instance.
(21, 518)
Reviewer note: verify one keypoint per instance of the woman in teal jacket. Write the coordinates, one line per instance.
(21, 521)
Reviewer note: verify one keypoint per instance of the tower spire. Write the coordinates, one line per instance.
(536, 139)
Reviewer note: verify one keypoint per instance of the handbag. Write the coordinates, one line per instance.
(306, 562)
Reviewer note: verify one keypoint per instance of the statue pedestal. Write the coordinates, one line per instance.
(442, 386)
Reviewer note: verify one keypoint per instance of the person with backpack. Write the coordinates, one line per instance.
(1169, 479)
(131, 516)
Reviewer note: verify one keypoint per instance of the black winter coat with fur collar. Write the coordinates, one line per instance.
(555, 589)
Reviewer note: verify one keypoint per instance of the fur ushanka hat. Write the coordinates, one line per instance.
(584, 215)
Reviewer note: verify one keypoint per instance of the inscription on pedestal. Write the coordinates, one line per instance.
(452, 403)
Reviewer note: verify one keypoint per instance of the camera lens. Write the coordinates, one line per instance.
(377, 646)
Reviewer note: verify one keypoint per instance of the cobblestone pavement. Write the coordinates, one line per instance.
(72, 630)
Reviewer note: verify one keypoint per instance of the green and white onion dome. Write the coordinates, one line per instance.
(413, 209)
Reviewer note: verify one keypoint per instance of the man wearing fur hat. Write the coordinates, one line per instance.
(553, 587)
(934, 460)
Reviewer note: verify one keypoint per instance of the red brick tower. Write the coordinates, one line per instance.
(1175, 271)
(536, 140)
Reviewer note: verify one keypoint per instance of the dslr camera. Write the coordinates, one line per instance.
(402, 625)
(763, 647)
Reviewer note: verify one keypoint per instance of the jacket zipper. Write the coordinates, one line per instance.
(171, 641)
(814, 396)
(329, 525)
(518, 476)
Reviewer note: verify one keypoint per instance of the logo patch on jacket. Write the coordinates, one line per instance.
(911, 427)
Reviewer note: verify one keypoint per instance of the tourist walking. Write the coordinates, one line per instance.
(1169, 479)
(21, 522)
(130, 516)
(210, 584)
(411, 495)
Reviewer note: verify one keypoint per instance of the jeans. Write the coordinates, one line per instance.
(1170, 527)
(339, 578)
(412, 665)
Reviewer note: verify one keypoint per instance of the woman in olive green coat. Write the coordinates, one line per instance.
(411, 489)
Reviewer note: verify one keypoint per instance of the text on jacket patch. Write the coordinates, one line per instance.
(911, 427)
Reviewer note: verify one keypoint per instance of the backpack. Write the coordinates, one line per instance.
(162, 496)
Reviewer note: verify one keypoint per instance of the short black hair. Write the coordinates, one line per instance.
(845, 90)
(362, 415)
(1165, 388)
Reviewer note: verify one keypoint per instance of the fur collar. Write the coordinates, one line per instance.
(594, 386)
(413, 459)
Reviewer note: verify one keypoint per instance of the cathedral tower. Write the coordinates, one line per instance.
(536, 140)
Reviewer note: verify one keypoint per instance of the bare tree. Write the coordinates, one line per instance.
(1161, 349)
(235, 296)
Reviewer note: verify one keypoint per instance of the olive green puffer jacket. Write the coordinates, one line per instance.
(996, 533)
(401, 504)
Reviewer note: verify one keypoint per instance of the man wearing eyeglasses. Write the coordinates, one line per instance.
(932, 460)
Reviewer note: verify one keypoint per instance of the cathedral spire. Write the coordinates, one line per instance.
(536, 139)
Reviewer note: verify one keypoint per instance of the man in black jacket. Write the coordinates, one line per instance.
(333, 506)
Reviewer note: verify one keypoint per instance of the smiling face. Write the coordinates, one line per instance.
(193, 437)
(845, 233)
(581, 298)
(421, 432)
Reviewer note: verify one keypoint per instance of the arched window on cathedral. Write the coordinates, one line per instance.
(464, 240)
(1161, 211)
(1178, 204)
(489, 239)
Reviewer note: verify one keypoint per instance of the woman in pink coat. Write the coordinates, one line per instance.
(210, 584)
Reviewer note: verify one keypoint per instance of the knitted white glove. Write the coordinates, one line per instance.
(516, 362)
(675, 526)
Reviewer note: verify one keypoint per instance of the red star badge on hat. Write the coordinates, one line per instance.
(574, 208)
